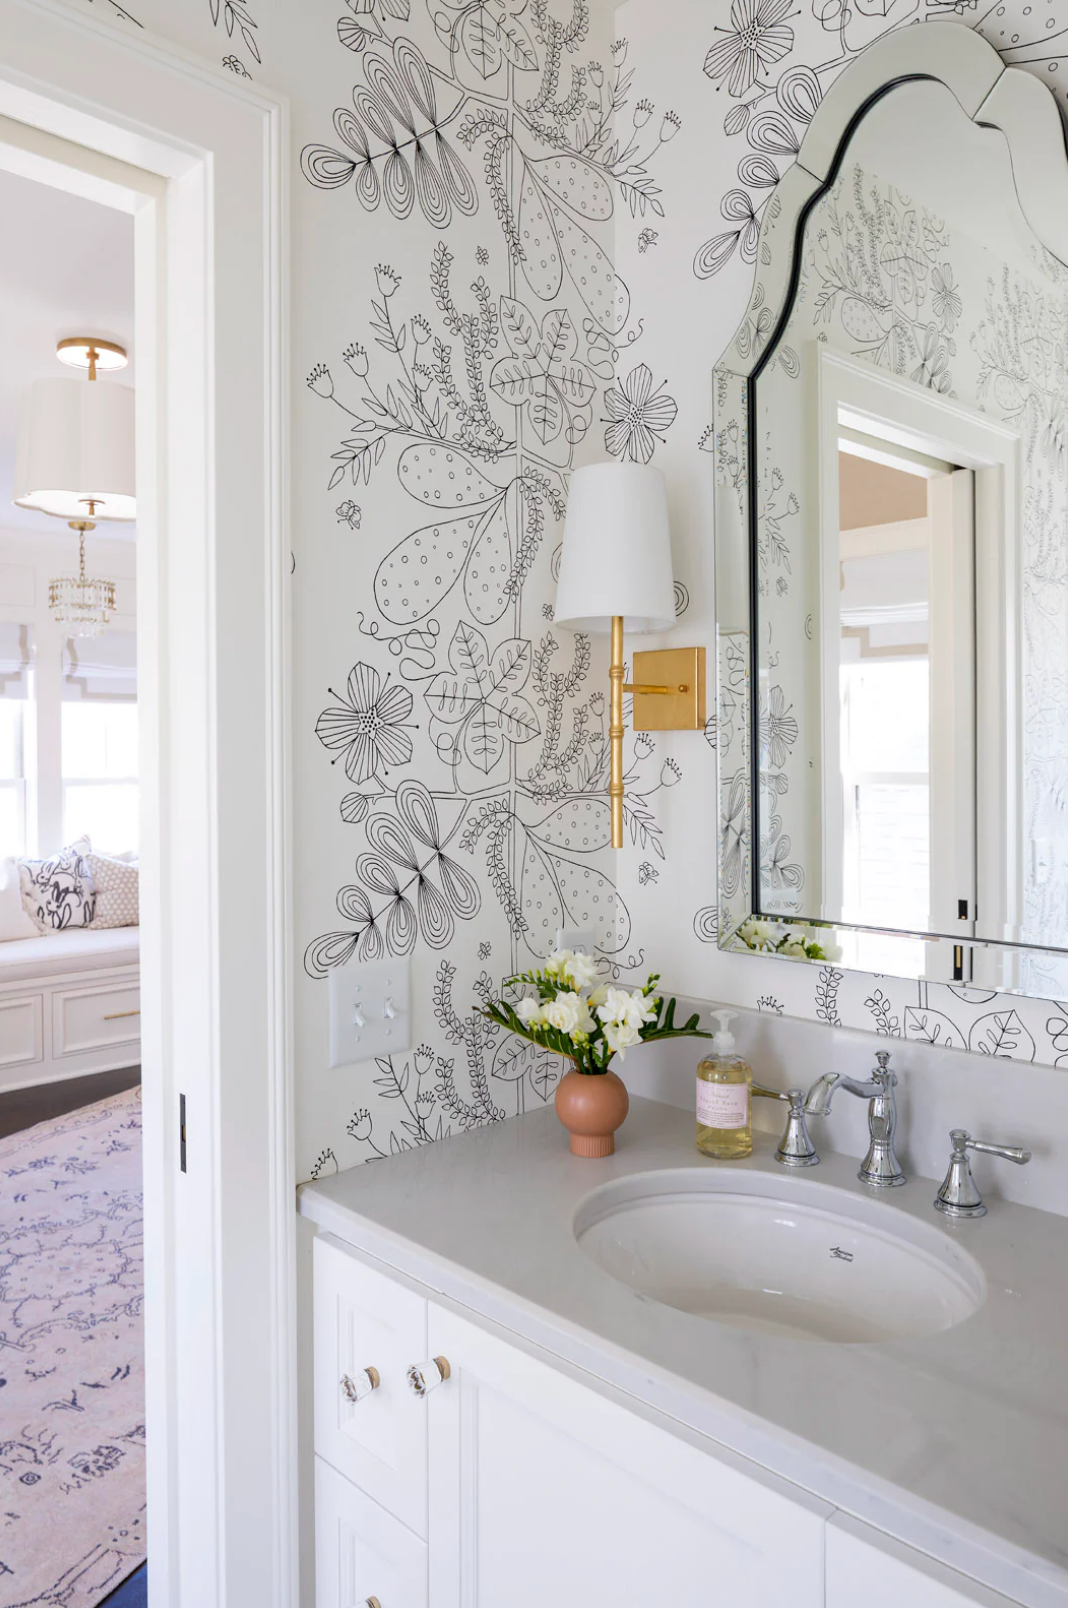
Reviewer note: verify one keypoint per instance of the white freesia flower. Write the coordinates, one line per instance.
(558, 962)
(639, 1009)
(794, 947)
(599, 995)
(582, 969)
(620, 1037)
(832, 951)
(613, 1008)
(569, 1013)
(530, 1012)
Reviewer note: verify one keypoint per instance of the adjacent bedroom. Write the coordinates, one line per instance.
(72, 1439)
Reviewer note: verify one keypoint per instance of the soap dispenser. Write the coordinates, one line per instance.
(724, 1088)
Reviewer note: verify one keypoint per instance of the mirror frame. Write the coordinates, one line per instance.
(990, 95)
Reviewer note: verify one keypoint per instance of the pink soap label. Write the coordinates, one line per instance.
(722, 1105)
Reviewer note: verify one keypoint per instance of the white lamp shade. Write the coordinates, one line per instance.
(76, 441)
(616, 557)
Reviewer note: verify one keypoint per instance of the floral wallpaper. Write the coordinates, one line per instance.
(523, 233)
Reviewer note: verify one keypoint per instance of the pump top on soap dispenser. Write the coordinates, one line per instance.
(724, 1097)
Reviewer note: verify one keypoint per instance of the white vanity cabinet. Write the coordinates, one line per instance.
(512, 1484)
(542, 1491)
(866, 1567)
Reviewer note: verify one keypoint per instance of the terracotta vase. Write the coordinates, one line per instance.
(591, 1106)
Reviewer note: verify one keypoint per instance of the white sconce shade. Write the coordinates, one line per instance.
(75, 442)
(616, 558)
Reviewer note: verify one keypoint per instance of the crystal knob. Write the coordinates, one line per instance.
(427, 1376)
(355, 1388)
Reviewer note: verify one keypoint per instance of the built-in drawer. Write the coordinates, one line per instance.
(21, 1030)
(362, 1554)
(370, 1328)
(95, 1017)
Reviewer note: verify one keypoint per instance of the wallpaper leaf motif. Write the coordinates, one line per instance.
(481, 696)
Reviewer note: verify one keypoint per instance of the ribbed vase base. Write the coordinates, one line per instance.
(583, 1144)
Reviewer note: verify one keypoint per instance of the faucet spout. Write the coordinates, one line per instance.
(819, 1097)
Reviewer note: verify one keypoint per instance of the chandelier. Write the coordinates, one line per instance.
(75, 457)
(83, 605)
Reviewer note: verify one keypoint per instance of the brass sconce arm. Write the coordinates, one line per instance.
(682, 708)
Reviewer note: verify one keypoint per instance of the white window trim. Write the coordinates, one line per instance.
(209, 205)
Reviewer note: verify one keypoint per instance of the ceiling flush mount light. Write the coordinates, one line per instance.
(74, 459)
(85, 352)
(615, 567)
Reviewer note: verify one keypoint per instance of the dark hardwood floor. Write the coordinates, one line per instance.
(133, 1593)
(22, 1108)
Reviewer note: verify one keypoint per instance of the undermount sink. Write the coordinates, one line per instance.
(785, 1256)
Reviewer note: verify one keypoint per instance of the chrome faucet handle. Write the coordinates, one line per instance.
(959, 1196)
(796, 1148)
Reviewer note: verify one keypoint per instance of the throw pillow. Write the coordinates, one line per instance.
(14, 920)
(116, 883)
(58, 892)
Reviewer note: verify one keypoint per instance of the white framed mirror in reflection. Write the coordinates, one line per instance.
(892, 534)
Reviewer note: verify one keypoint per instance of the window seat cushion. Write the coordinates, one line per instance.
(76, 950)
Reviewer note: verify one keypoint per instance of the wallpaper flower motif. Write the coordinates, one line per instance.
(639, 416)
(756, 39)
(368, 723)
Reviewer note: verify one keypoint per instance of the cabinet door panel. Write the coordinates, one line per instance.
(541, 1491)
(865, 1566)
(361, 1553)
(365, 1320)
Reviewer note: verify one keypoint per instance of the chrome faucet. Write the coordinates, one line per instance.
(880, 1167)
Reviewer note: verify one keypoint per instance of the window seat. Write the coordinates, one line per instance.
(69, 1005)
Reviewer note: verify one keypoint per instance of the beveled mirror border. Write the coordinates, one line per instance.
(991, 95)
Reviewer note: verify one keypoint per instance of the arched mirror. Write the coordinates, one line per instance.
(892, 532)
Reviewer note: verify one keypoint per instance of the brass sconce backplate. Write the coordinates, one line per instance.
(680, 705)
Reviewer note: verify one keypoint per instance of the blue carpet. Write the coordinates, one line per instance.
(133, 1593)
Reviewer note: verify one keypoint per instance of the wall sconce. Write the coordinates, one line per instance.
(615, 569)
(74, 459)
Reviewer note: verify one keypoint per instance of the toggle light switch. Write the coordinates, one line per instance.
(370, 1010)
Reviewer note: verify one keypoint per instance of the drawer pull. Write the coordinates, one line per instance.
(428, 1375)
(372, 1602)
(117, 1016)
(357, 1389)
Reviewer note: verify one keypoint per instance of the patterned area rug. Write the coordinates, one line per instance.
(72, 1435)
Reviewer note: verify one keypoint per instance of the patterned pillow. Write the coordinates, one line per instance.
(115, 882)
(58, 893)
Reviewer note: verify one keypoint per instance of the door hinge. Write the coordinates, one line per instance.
(181, 1132)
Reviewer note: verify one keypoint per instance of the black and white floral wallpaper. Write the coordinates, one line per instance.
(523, 233)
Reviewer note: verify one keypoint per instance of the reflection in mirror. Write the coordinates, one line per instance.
(908, 516)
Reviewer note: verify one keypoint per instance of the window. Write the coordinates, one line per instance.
(16, 672)
(101, 797)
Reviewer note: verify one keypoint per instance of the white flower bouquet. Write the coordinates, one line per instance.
(790, 938)
(590, 1023)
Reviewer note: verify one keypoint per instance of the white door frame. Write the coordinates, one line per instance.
(208, 197)
(919, 420)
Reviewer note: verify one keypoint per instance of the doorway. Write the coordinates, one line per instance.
(197, 163)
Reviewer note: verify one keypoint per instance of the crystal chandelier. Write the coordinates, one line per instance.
(83, 605)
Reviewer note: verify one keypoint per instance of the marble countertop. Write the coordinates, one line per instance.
(956, 1443)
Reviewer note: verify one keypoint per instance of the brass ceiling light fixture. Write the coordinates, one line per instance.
(74, 460)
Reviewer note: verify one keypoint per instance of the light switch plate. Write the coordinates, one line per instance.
(362, 997)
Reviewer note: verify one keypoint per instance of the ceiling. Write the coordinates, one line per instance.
(66, 269)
